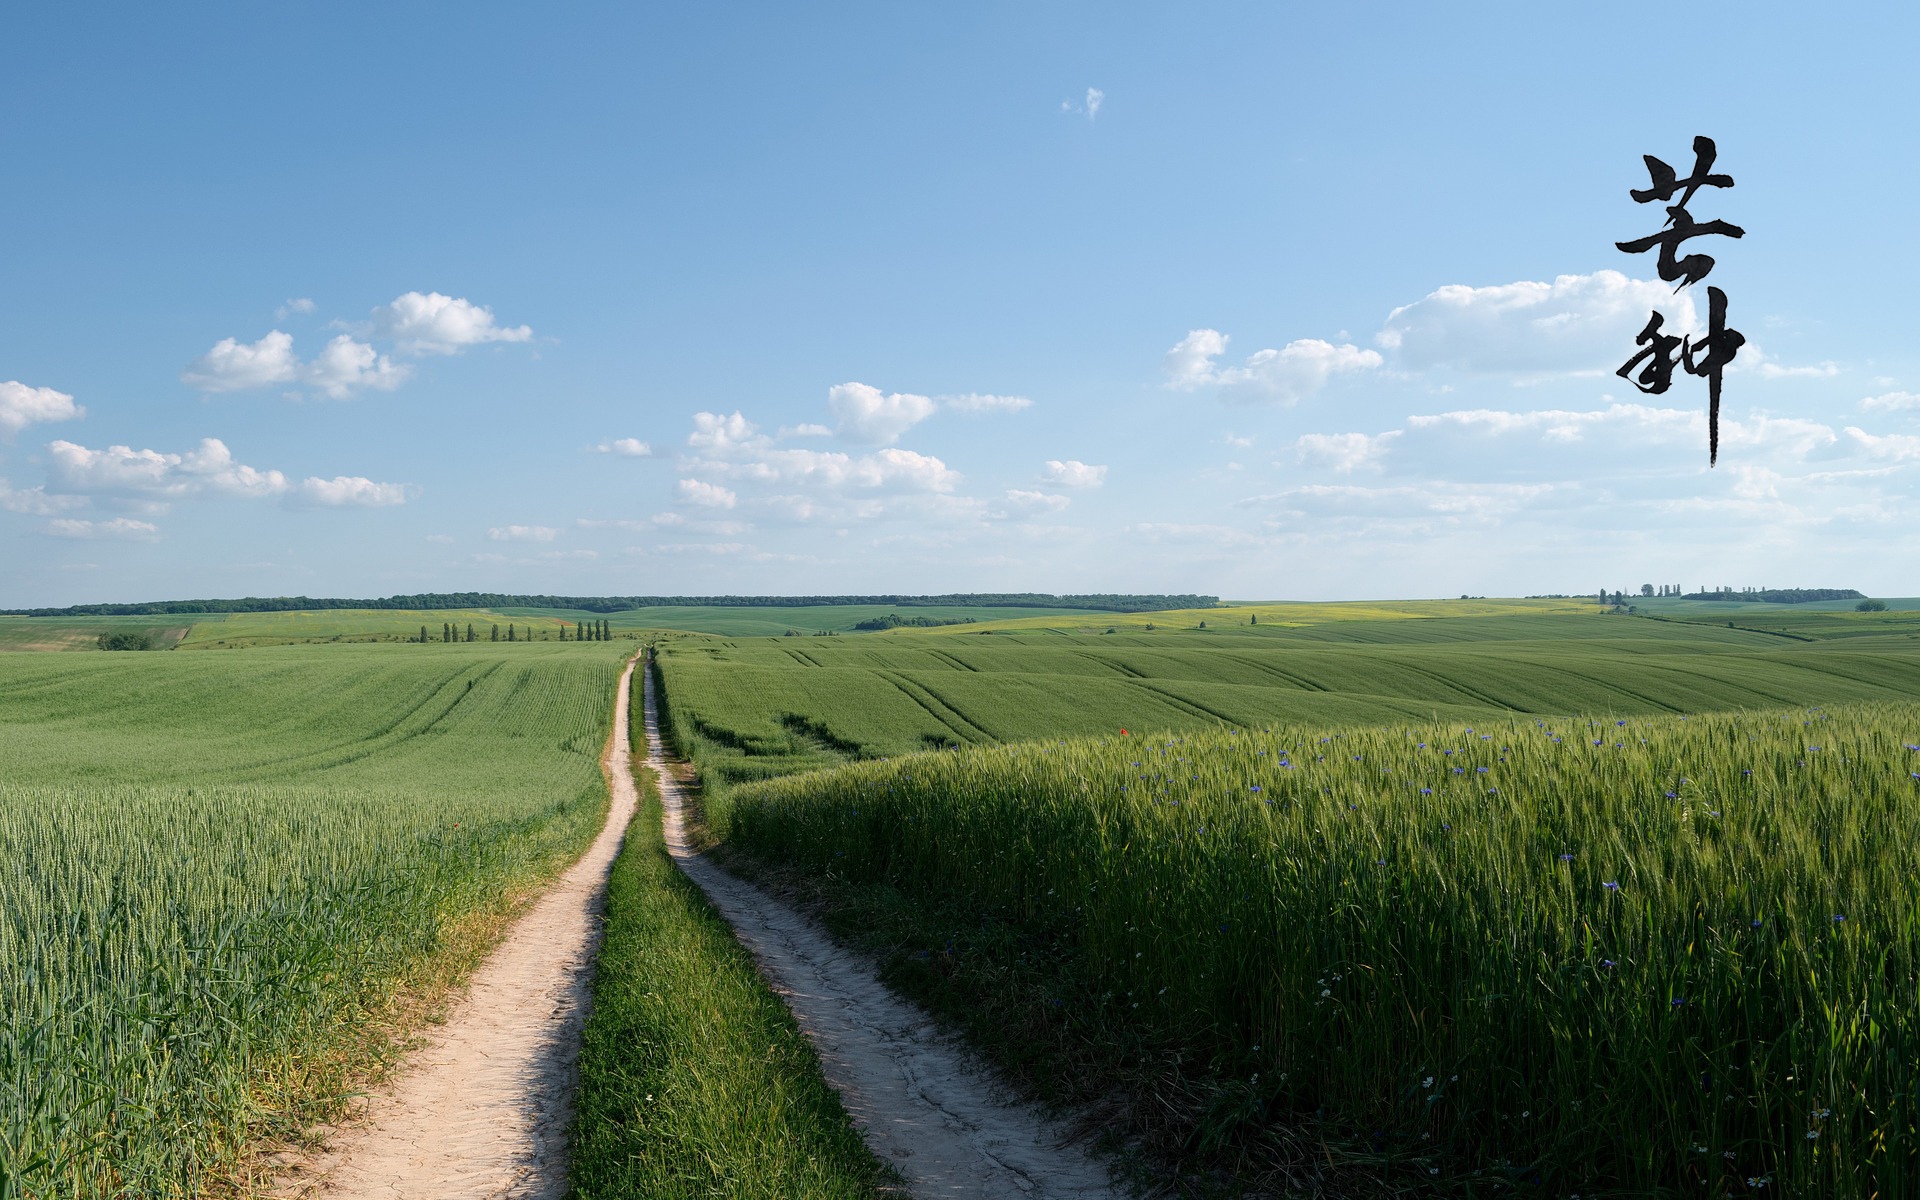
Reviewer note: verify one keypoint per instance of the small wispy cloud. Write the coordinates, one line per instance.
(1090, 107)
(625, 448)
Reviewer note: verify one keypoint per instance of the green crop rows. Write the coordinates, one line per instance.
(1617, 954)
(219, 864)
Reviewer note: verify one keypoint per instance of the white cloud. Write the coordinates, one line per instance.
(1073, 473)
(21, 406)
(868, 416)
(1561, 425)
(1458, 501)
(625, 448)
(233, 367)
(711, 431)
(351, 491)
(1344, 452)
(522, 533)
(1027, 501)
(125, 528)
(1090, 107)
(707, 495)
(346, 366)
(431, 323)
(35, 501)
(1578, 324)
(1287, 375)
(117, 469)
(122, 471)
(296, 307)
(1900, 447)
(973, 403)
(1892, 402)
(212, 465)
(807, 430)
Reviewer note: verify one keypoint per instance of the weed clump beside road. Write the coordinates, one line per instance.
(1583, 954)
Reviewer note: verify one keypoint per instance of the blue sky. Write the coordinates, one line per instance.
(1268, 301)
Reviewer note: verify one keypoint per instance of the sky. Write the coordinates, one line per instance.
(1268, 301)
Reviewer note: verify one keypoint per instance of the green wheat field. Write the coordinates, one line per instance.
(1450, 897)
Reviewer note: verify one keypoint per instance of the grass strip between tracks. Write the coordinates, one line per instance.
(694, 1079)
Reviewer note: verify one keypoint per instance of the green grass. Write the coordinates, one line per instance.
(775, 621)
(747, 709)
(221, 867)
(1648, 955)
(694, 1079)
(83, 633)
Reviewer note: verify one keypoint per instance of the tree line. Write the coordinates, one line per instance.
(1101, 602)
(585, 631)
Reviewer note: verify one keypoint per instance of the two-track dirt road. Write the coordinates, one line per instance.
(482, 1110)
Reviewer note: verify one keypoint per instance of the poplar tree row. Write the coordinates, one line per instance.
(589, 631)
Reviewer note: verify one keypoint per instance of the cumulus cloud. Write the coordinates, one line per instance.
(625, 448)
(1578, 324)
(21, 406)
(417, 323)
(346, 366)
(1287, 375)
(1036, 502)
(522, 533)
(233, 366)
(122, 528)
(432, 323)
(35, 501)
(1899, 447)
(868, 416)
(711, 431)
(807, 430)
(1892, 402)
(350, 491)
(1562, 425)
(973, 403)
(121, 471)
(707, 495)
(1344, 452)
(1074, 474)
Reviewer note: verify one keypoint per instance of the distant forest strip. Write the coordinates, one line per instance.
(1778, 595)
(611, 604)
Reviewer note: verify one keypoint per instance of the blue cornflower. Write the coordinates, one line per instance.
(1256, 787)
(1839, 917)
(1426, 791)
(1481, 770)
(1566, 858)
(1612, 885)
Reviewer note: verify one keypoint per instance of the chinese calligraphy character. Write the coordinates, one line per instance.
(1663, 352)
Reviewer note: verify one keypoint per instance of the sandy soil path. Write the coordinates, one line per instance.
(482, 1110)
(920, 1100)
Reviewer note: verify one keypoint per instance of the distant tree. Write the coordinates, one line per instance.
(1871, 606)
(493, 633)
(469, 630)
(1203, 624)
(510, 634)
(1646, 589)
(1254, 619)
(423, 635)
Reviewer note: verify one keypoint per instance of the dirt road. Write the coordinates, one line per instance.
(920, 1101)
(482, 1111)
